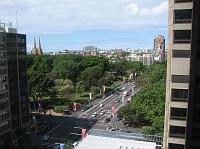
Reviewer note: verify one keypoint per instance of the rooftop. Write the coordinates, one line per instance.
(7, 27)
(118, 140)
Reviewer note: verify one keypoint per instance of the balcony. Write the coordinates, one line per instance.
(182, 1)
(177, 132)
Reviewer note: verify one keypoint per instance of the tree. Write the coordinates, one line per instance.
(147, 107)
(91, 75)
(94, 90)
(39, 83)
(64, 87)
(118, 69)
(80, 87)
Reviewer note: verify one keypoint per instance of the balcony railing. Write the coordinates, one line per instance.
(178, 117)
(180, 99)
(177, 135)
(182, 21)
(182, 41)
(181, 1)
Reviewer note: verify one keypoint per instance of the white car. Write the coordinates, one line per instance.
(125, 93)
(123, 88)
(101, 105)
(102, 112)
(94, 114)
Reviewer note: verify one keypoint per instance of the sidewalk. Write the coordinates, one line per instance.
(48, 112)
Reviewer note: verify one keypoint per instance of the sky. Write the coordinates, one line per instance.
(72, 24)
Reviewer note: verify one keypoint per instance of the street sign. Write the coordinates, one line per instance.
(113, 111)
(83, 132)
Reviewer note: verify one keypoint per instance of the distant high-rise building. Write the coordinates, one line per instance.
(14, 106)
(147, 59)
(159, 48)
(182, 108)
(90, 50)
(35, 50)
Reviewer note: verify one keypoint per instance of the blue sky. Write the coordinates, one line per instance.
(72, 24)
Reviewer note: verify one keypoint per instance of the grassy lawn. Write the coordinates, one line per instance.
(60, 108)
(82, 98)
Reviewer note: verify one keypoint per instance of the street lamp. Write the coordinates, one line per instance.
(90, 97)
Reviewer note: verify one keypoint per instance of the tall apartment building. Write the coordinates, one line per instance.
(182, 112)
(14, 107)
(159, 48)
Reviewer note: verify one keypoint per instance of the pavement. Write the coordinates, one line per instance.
(108, 103)
(69, 127)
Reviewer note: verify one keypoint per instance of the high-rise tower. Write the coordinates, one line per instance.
(182, 112)
(14, 106)
(159, 48)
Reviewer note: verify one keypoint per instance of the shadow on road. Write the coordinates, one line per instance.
(58, 129)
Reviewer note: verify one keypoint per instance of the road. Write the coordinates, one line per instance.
(107, 103)
(69, 128)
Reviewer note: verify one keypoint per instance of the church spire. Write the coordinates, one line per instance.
(34, 50)
(39, 47)
(39, 44)
(34, 43)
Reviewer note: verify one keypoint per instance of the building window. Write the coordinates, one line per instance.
(183, 16)
(2, 62)
(3, 95)
(182, 36)
(4, 105)
(177, 131)
(3, 71)
(176, 146)
(4, 125)
(3, 87)
(181, 53)
(179, 94)
(3, 79)
(180, 78)
(2, 47)
(2, 39)
(2, 55)
(181, 1)
(4, 115)
(178, 113)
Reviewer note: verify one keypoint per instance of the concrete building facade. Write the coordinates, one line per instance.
(14, 106)
(159, 48)
(182, 120)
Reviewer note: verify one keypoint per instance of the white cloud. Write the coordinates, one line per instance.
(134, 9)
(63, 16)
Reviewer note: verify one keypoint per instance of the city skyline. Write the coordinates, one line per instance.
(72, 25)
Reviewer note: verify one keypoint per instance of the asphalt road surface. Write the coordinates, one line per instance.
(108, 103)
(69, 128)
